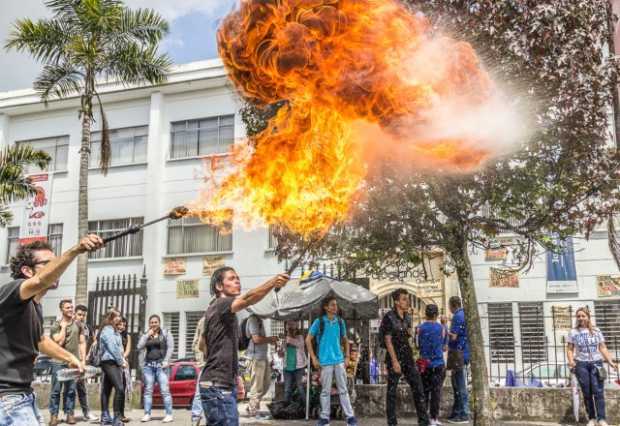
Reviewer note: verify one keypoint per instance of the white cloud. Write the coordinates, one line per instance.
(173, 9)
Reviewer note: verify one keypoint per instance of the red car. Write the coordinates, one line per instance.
(182, 381)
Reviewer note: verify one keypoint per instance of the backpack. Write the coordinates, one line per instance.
(95, 354)
(244, 337)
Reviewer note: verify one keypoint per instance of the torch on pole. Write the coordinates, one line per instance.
(175, 213)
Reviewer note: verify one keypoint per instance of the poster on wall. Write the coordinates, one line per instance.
(175, 266)
(211, 263)
(561, 317)
(608, 286)
(495, 254)
(36, 213)
(188, 289)
(503, 278)
(561, 271)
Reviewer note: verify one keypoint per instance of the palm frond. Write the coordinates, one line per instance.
(143, 26)
(132, 64)
(59, 80)
(23, 154)
(13, 184)
(6, 217)
(45, 39)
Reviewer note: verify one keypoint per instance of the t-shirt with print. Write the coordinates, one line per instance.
(330, 348)
(255, 327)
(586, 344)
(221, 333)
(21, 329)
(72, 337)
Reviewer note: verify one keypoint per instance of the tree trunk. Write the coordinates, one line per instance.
(81, 285)
(481, 398)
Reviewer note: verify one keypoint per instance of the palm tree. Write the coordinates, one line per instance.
(14, 185)
(86, 40)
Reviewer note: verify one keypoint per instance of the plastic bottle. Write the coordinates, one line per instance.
(67, 374)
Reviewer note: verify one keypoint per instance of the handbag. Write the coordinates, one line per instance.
(601, 372)
(456, 360)
(423, 365)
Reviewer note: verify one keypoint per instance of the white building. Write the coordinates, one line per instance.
(162, 136)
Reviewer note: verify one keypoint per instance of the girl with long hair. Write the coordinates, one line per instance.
(112, 363)
(586, 352)
(126, 339)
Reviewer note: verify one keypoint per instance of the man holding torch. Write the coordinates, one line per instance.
(35, 270)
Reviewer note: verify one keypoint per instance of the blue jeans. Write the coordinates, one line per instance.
(197, 403)
(153, 371)
(592, 388)
(20, 409)
(459, 387)
(68, 395)
(220, 406)
(294, 379)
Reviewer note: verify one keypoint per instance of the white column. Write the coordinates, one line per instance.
(4, 130)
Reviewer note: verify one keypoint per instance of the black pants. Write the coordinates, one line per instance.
(412, 376)
(432, 379)
(112, 379)
(83, 396)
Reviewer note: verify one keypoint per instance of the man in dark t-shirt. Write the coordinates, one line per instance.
(220, 343)
(35, 269)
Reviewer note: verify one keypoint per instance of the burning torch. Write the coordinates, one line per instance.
(175, 213)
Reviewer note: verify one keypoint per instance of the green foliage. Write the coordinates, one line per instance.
(90, 39)
(13, 184)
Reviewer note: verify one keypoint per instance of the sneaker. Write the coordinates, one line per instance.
(592, 422)
(458, 420)
(437, 422)
(90, 417)
(352, 421)
(433, 422)
(262, 416)
(602, 423)
(146, 418)
(168, 419)
(322, 422)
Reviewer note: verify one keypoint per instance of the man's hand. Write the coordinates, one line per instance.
(151, 332)
(315, 363)
(280, 280)
(125, 365)
(396, 367)
(91, 242)
(64, 323)
(347, 362)
(273, 340)
(76, 363)
(572, 365)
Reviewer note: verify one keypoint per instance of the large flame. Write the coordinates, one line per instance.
(360, 79)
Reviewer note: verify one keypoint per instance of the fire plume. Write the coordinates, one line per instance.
(360, 80)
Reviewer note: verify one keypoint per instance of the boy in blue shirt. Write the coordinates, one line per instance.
(331, 335)
(432, 341)
(459, 343)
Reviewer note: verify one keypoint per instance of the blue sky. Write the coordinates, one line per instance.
(193, 25)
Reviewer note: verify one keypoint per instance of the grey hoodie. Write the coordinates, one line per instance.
(142, 346)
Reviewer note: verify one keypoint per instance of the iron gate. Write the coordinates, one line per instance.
(127, 293)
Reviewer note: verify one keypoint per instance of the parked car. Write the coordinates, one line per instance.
(183, 375)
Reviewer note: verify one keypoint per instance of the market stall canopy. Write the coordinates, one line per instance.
(298, 299)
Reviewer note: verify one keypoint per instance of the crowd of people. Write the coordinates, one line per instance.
(440, 346)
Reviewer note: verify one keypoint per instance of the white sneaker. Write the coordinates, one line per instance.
(436, 422)
(592, 422)
(168, 419)
(91, 417)
(146, 418)
(433, 422)
(602, 423)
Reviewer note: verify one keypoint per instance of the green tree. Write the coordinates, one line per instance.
(14, 185)
(563, 180)
(86, 40)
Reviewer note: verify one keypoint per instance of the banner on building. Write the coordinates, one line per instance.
(495, 254)
(608, 286)
(188, 289)
(428, 289)
(36, 214)
(211, 263)
(503, 278)
(561, 271)
(561, 317)
(174, 266)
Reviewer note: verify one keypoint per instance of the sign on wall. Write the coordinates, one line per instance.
(211, 263)
(187, 289)
(561, 317)
(608, 286)
(36, 214)
(175, 266)
(495, 254)
(561, 271)
(503, 278)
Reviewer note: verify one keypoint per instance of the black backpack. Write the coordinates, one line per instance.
(244, 337)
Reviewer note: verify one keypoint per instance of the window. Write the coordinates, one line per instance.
(501, 333)
(607, 318)
(190, 235)
(171, 323)
(128, 146)
(191, 321)
(185, 372)
(54, 237)
(532, 324)
(127, 246)
(57, 148)
(193, 138)
(12, 242)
